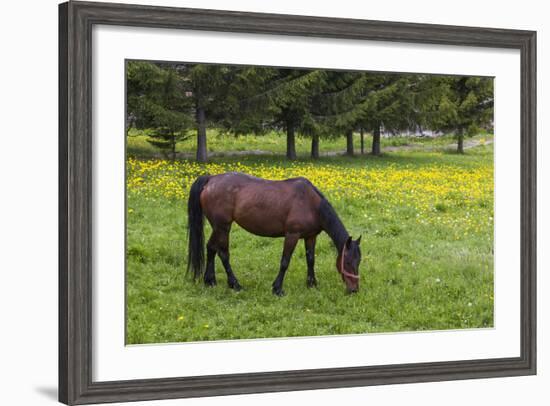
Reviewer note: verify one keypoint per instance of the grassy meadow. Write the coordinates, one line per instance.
(426, 219)
(274, 143)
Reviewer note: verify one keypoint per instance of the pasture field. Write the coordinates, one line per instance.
(426, 219)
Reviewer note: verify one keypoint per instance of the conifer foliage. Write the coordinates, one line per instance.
(465, 106)
(156, 101)
(173, 101)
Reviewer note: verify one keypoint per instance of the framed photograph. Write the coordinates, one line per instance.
(259, 202)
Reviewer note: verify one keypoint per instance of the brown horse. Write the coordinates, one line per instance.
(291, 208)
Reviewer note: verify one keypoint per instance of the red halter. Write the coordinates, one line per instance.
(342, 270)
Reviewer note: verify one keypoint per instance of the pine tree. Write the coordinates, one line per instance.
(208, 86)
(246, 108)
(284, 98)
(332, 106)
(389, 104)
(427, 91)
(465, 106)
(156, 101)
(364, 100)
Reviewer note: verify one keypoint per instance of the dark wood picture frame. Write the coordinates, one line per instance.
(76, 20)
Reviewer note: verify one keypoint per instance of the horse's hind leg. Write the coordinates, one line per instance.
(210, 273)
(290, 243)
(310, 258)
(223, 253)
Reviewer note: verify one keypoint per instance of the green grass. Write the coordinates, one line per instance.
(276, 143)
(415, 275)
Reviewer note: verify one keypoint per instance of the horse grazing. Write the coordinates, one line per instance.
(291, 208)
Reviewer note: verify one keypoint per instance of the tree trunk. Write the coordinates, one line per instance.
(290, 141)
(376, 140)
(202, 155)
(349, 143)
(173, 146)
(460, 146)
(315, 146)
(362, 141)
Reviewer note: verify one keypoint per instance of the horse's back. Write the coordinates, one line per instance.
(230, 183)
(261, 206)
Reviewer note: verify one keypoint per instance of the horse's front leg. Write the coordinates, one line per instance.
(310, 258)
(290, 243)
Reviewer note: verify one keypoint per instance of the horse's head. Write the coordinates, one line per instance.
(348, 264)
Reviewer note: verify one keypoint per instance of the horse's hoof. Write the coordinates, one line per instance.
(311, 283)
(235, 285)
(210, 282)
(278, 292)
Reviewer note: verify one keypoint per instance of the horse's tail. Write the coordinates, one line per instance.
(195, 228)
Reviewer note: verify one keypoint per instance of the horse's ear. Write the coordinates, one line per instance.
(348, 242)
(359, 240)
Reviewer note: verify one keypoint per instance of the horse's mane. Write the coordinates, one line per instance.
(330, 221)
